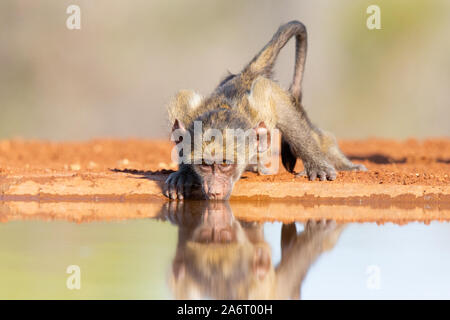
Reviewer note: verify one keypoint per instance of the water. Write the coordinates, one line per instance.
(207, 251)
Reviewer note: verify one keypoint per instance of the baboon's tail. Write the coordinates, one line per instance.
(262, 65)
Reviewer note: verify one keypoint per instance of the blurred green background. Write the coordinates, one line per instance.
(113, 77)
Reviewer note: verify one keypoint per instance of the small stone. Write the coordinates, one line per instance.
(75, 167)
(172, 165)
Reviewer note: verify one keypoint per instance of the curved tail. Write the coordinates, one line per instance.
(262, 64)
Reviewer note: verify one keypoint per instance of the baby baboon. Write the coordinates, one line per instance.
(250, 102)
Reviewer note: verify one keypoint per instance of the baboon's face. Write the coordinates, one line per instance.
(217, 179)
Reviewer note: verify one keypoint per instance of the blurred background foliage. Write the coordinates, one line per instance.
(113, 77)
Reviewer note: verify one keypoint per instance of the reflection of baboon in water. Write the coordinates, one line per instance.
(219, 257)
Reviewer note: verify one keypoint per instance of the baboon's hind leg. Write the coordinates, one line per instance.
(335, 155)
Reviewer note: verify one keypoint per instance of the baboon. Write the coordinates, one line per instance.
(251, 101)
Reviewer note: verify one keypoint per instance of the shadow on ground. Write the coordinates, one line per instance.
(378, 159)
(145, 174)
(159, 176)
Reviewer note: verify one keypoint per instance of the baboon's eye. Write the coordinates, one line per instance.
(204, 166)
(225, 166)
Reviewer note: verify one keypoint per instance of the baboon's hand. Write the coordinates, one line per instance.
(179, 184)
(173, 212)
(323, 171)
(177, 213)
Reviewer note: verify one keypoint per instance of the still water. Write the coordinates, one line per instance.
(204, 251)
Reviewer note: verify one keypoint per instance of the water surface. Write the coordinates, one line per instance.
(204, 251)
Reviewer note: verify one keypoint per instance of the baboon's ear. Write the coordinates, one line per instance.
(178, 131)
(262, 137)
(178, 125)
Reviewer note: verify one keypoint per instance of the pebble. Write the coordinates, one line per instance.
(75, 167)
(173, 165)
(92, 164)
(162, 165)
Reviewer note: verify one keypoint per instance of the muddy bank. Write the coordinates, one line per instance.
(410, 172)
(259, 211)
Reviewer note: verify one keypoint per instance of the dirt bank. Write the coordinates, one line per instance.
(261, 211)
(408, 171)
